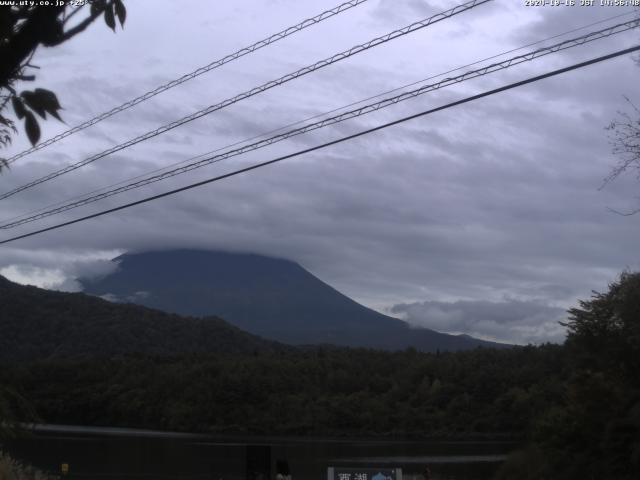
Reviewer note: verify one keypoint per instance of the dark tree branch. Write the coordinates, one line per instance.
(72, 32)
(22, 30)
(39, 28)
(625, 142)
(70, 16)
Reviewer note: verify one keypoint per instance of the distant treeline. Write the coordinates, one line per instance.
(322, 390)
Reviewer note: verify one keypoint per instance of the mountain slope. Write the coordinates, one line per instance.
(37, 324)
(274, 298)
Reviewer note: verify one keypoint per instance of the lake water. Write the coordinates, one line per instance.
(114, 454)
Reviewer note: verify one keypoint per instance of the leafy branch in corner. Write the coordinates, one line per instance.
(23, 28)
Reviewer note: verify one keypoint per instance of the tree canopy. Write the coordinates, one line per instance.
(593, 431)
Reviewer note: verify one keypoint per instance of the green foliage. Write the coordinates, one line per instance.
(120, 11)
(40, 101)
(23, 28)
(594, 430)
(111, 9)
(307, 391)
(604, 333)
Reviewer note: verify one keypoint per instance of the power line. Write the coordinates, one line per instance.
(574, 42)
(333, 142)
(189, 76)
(254, 91)
(313, 117)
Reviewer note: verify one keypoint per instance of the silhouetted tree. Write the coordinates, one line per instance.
(606, 329)
(625, 141)
(593, 430)
(23, 28)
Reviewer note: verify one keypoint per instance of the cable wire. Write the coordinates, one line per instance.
(332, 142)
(574, 42)
(185, 78)
(313, 117)
(254, 91)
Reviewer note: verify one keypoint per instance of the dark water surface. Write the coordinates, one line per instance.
(111, 454)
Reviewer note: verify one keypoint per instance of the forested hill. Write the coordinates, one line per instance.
(577, 404)
(270, 297)
(39, 324)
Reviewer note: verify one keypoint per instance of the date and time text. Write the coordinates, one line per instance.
(582, 3)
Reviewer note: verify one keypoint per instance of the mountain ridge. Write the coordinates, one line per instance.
(37, 324)
(271, 297)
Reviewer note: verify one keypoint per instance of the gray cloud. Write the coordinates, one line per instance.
(507, 321)
(552, 21)
(135, 298)
(496, 199)
(55, 269)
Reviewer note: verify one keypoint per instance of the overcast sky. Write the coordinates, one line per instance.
(485, 219)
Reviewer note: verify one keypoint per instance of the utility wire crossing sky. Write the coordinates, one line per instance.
(484, 219)
(495, 67)
(334, 142)
(256, 90)
(309, 22)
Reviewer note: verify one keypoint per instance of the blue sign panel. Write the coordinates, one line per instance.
(368, 473)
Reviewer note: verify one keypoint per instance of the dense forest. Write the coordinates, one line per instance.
(318, 391)
(574, 407)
